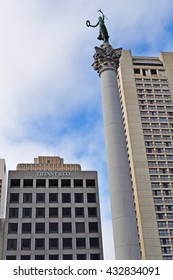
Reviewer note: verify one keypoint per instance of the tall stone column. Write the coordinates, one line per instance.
(106, 62)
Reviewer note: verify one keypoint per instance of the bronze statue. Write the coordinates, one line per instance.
(103, 33)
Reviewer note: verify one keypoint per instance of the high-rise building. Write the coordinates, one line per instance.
(137, 98)
(52, 212)
(146, 97)
(2, 201)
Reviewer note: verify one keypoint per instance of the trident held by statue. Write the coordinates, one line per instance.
(103, 34)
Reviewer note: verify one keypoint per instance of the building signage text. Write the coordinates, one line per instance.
(53, 174)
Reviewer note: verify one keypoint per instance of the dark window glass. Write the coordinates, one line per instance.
(90, 183)
(13, 212)
(40, 197)
(27, 198)
(94, 242)
(53, 183)
(53, 212)
(53, 227)
(53, 243)
(81, 256)
(93, 227)
(67, 257)
(39, 257)
(67, 243)
(78, 197)
(11, 244)
(66, 212)
(66, 197)
(66, 228)
(12, 228)
(27, 183)
(80, 227)
(91, 197)
(25, 244)
(25, 257)
(79, 212)
(92, 212)
(65, 183)
(39, 244)
(95, 256)
(53, 198)
(40, 183)
(26, 227)
(78, 183)
(14, 197)
(40, 212)
(15, 183)
(10, 257)
(40, 228)
(53, 257)
(27, 213)
(80, 243)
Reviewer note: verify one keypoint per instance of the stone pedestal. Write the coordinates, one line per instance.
(106, 62)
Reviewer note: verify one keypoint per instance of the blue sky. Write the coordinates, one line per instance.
(50, 95)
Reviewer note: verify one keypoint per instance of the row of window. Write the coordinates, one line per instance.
(161, 185)
(51, 183)
(65, 227)
(163, 216)
(149, 72)
(164, 207)
(52, 244)
(163, 200)
(53, 212)
(57, 257)
(53, 198)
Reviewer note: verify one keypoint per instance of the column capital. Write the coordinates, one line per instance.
(106, 58)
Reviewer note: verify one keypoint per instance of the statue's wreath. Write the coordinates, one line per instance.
(88, 23)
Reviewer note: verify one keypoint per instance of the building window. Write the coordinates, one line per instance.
(27, 198)
(66, 212)
(78, 183)
(53, 243)
(12, 228)
(14, 198)
(67, 243)
(94, 242)
(53, 257)
(79, 212)
(53, 212)
(53, 183)
(81, 256)
(66, 197)
(10, 257)
(137, 71)
(67, 257)
(26, 227)
(11, 244)
(53, 198)
(93, 227)
(53, 227)
(39, 257)
(25, 257)
(13, 212)
(78, 197)
(39, 244)
(80, 227)
(15, 183)
(40, 212)
(90, 183)
(25, 244)
(27, 213)
(66, 228)
(40, 197)
(91, 197)
(65, 183)
(95, 256)
(80, 243)
(92, 212)
(40, 183)
(27, 183)
(40, 228)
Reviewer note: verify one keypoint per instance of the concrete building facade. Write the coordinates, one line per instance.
(146, 98)
(2, 202)
(52, 212)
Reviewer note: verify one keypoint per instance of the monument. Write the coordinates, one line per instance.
(106, 63)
